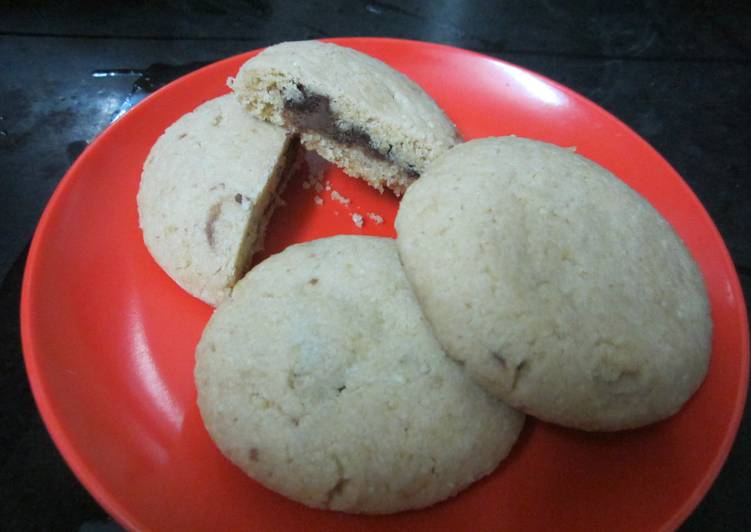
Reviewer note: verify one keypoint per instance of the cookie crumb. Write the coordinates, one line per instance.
(338, 197)
(377, 218)
(357, 219)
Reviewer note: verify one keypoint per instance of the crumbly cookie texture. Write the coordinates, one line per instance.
(320, 378)
(207, 189)
(353, 109)
(561, 289)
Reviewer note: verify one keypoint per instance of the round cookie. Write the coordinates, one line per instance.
(320, 378)
(207, 189)
(561, 289)
(353, 109)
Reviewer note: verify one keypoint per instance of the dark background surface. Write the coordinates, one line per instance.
(679, 73)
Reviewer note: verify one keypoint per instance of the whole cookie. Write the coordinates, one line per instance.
(320, 378)
(353, 109)
(207, 189)
(562, 290)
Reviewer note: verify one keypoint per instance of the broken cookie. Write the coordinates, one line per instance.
(207, 189)
(355, 111)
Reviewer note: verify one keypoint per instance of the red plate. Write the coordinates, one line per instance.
(109, 339)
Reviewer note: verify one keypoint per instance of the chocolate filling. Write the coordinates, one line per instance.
(312, 114)
(214, 212)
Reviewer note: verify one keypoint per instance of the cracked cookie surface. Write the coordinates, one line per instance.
(321, 379)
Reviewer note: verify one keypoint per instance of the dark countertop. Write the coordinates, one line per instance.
(678, 73)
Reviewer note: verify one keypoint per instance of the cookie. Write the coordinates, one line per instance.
(207, 189)
(561, 289)
(320, 378)
(351, 108)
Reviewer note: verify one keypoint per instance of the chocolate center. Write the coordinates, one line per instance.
(312, 114)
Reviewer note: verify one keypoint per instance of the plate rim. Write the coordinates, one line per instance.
(109, 500)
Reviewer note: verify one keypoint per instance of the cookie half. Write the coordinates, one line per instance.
(351, 108)
(207, 189)
(320, 378)
(561, 289)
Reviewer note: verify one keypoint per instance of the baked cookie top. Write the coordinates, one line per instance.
(562, 290)
(320, 378)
